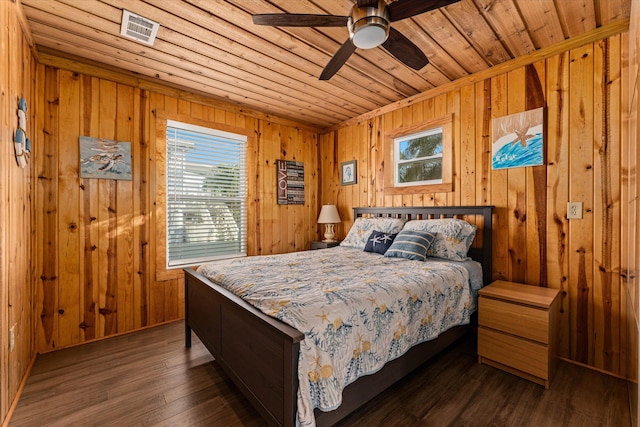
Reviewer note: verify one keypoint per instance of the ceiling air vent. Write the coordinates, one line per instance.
(138, 28)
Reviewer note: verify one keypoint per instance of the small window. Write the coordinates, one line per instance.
(418, 158)
(206, 194)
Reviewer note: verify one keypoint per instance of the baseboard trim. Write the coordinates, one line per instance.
(12, 408)
(602, 371)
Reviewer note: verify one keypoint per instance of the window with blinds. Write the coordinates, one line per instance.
(206, 194)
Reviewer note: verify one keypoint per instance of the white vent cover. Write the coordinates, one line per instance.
(138, 28)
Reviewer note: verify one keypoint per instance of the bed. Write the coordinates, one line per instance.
(261, 354)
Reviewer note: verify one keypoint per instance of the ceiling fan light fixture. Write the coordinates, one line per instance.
(369, 35)
(369, 26)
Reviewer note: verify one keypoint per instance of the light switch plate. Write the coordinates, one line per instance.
(574, 210)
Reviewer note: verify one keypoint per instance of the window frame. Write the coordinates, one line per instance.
(158, 170)
(390, 186)
(397, 141)
(185, 197)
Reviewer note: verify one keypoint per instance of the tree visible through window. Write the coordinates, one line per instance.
(419, 158)
(206, 194)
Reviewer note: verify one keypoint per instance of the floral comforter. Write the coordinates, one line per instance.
(357, 310)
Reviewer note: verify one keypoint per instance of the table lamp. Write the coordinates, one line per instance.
(329, 216)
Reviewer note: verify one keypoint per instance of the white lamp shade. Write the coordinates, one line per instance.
(329, 215)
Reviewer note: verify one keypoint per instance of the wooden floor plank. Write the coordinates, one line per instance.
(148, 378)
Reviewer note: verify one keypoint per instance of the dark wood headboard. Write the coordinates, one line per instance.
(481, 216)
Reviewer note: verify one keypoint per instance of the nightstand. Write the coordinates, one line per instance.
(517, 329)
(316, 244)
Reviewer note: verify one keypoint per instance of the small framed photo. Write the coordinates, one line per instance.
(348, 173)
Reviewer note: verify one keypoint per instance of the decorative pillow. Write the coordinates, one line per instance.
(362, 228)
(379, 242)
(411, 244)
(453, 236)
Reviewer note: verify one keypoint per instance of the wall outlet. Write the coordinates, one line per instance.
(12, 338)
(574, 210)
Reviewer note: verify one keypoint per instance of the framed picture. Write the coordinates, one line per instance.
(518, 140)
(104, 159)
(348, 173)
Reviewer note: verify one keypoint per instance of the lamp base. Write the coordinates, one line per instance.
(329, 234)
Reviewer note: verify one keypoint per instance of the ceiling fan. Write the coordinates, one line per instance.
(369, 25)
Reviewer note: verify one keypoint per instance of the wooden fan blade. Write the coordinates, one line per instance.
(367, 3)
(338, 60)
(404, 50)
(403, 9)
(299, 20)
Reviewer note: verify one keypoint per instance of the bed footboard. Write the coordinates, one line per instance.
(259, 353)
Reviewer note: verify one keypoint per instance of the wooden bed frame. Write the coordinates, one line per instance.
(260, 353)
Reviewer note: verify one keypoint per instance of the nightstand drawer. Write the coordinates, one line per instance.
(514, 352)
(524, 321)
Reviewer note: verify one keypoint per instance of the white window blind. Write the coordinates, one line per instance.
(206, 194)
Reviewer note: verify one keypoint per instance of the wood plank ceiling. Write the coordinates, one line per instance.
(212, 47)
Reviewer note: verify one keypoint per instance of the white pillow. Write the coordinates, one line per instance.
(363, 227)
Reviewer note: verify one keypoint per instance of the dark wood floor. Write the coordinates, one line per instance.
(149, 378)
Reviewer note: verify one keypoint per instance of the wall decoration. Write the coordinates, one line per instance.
(22, 144)
(518, 140)
(348, 173)
(290, 182)
(104, 158)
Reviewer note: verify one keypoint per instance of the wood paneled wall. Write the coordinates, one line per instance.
(631, 207)
(585, 93)
(99, 241)
(17, 76)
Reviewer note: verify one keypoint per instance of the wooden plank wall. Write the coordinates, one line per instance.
(585, 92)
(99, 241)
(631, 207)
(17, 74)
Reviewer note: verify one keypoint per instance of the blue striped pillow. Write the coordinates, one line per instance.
(411, 244)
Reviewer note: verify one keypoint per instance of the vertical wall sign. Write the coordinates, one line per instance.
(290, 181)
